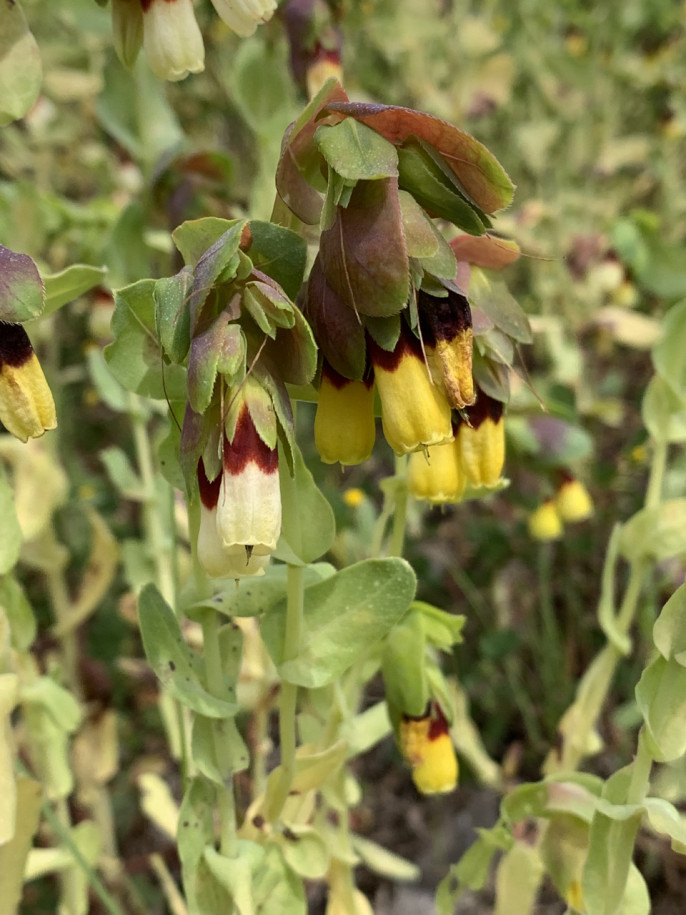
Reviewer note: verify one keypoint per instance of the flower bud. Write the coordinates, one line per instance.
(344, 428)
(573, 501)
(171, 38)
(426, 745)
(482, 441)
(27, 409)
(545, 523)
(436, 475)
(446, 324)
(414, 411)
(243, 16)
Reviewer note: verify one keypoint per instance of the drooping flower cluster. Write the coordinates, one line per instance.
(386, 296)
(241, 339)
(169, 33)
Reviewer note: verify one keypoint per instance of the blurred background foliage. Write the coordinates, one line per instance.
(583, 103)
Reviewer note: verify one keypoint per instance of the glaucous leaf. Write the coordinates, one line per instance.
(669, 353)
(308, 525)
(663, 412)
(278, 252)
(10, 531)
(661, 697)
(498, 303)
(658, 532)
(344, 616)
(356, 152)
(70, 283)
(170, 658)
(669, 631)
(172, 313)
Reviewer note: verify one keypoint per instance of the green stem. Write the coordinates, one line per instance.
(289, 691)
(215, 684)
(161, 544)
(400, 512)
(640, 772)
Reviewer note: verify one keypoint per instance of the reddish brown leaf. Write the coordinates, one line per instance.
(477, 169)
(337, 330)
(485, 251)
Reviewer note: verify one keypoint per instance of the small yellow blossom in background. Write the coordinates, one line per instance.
(353, 497)
(545, 522)
(573, 501)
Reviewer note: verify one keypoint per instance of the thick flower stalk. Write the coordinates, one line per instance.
(344, 427)
(426, 745)
(481, 437)
(27, 408)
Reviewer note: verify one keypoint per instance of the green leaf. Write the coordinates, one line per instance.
(498, 303)
(255, 596)
(220, 260)
(519, 876)
(305, 852)
(669, 353)
(356, 152)
(658, 533)
(669, 631)
(423, 177)
(276, 888)
(610, 850)
(13, 854)
(194, 236)
(344, 617)
(147, 128)
(661, 697)
(20, 65)
(134, 357)
(663, 412)
(278, 252)
(364, 255)
(260, 86)
(107, 386)
(472, 870)
(121, 473)
(172, 313)
(22, 294)
(308, 527)
(215, 767)
(195, 832)
(70, 283)
(222, 341)
(403, 666)
(171, 659)
(18, 611)
(607, 612)
(384, 862)
(236, 874)
(10, 531)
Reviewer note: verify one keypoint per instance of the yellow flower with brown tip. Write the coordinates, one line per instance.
(436, 475)
(545, 522)
(481, 438)
(426, 745)
(446, 324)
(344, 428)
(27, 409)
(414, 411)
(573, 501)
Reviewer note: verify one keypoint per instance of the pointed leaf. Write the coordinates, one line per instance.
(308, 525)
(337, 329)
(22, 294)
(357, 152)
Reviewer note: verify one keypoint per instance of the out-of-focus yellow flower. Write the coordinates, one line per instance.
(426, 745)
(573, 501)
(414, 411)
(353, 497)
(437, 474)
(482, 441)
(27, 409)
(344, 428)
(545, 522)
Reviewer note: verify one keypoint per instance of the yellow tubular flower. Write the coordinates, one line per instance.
(573, 501)
(27, 409)
(437, 475)
(482, 441)
(344, 428)
(414, 411)
(545, 523)
(426, 745)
